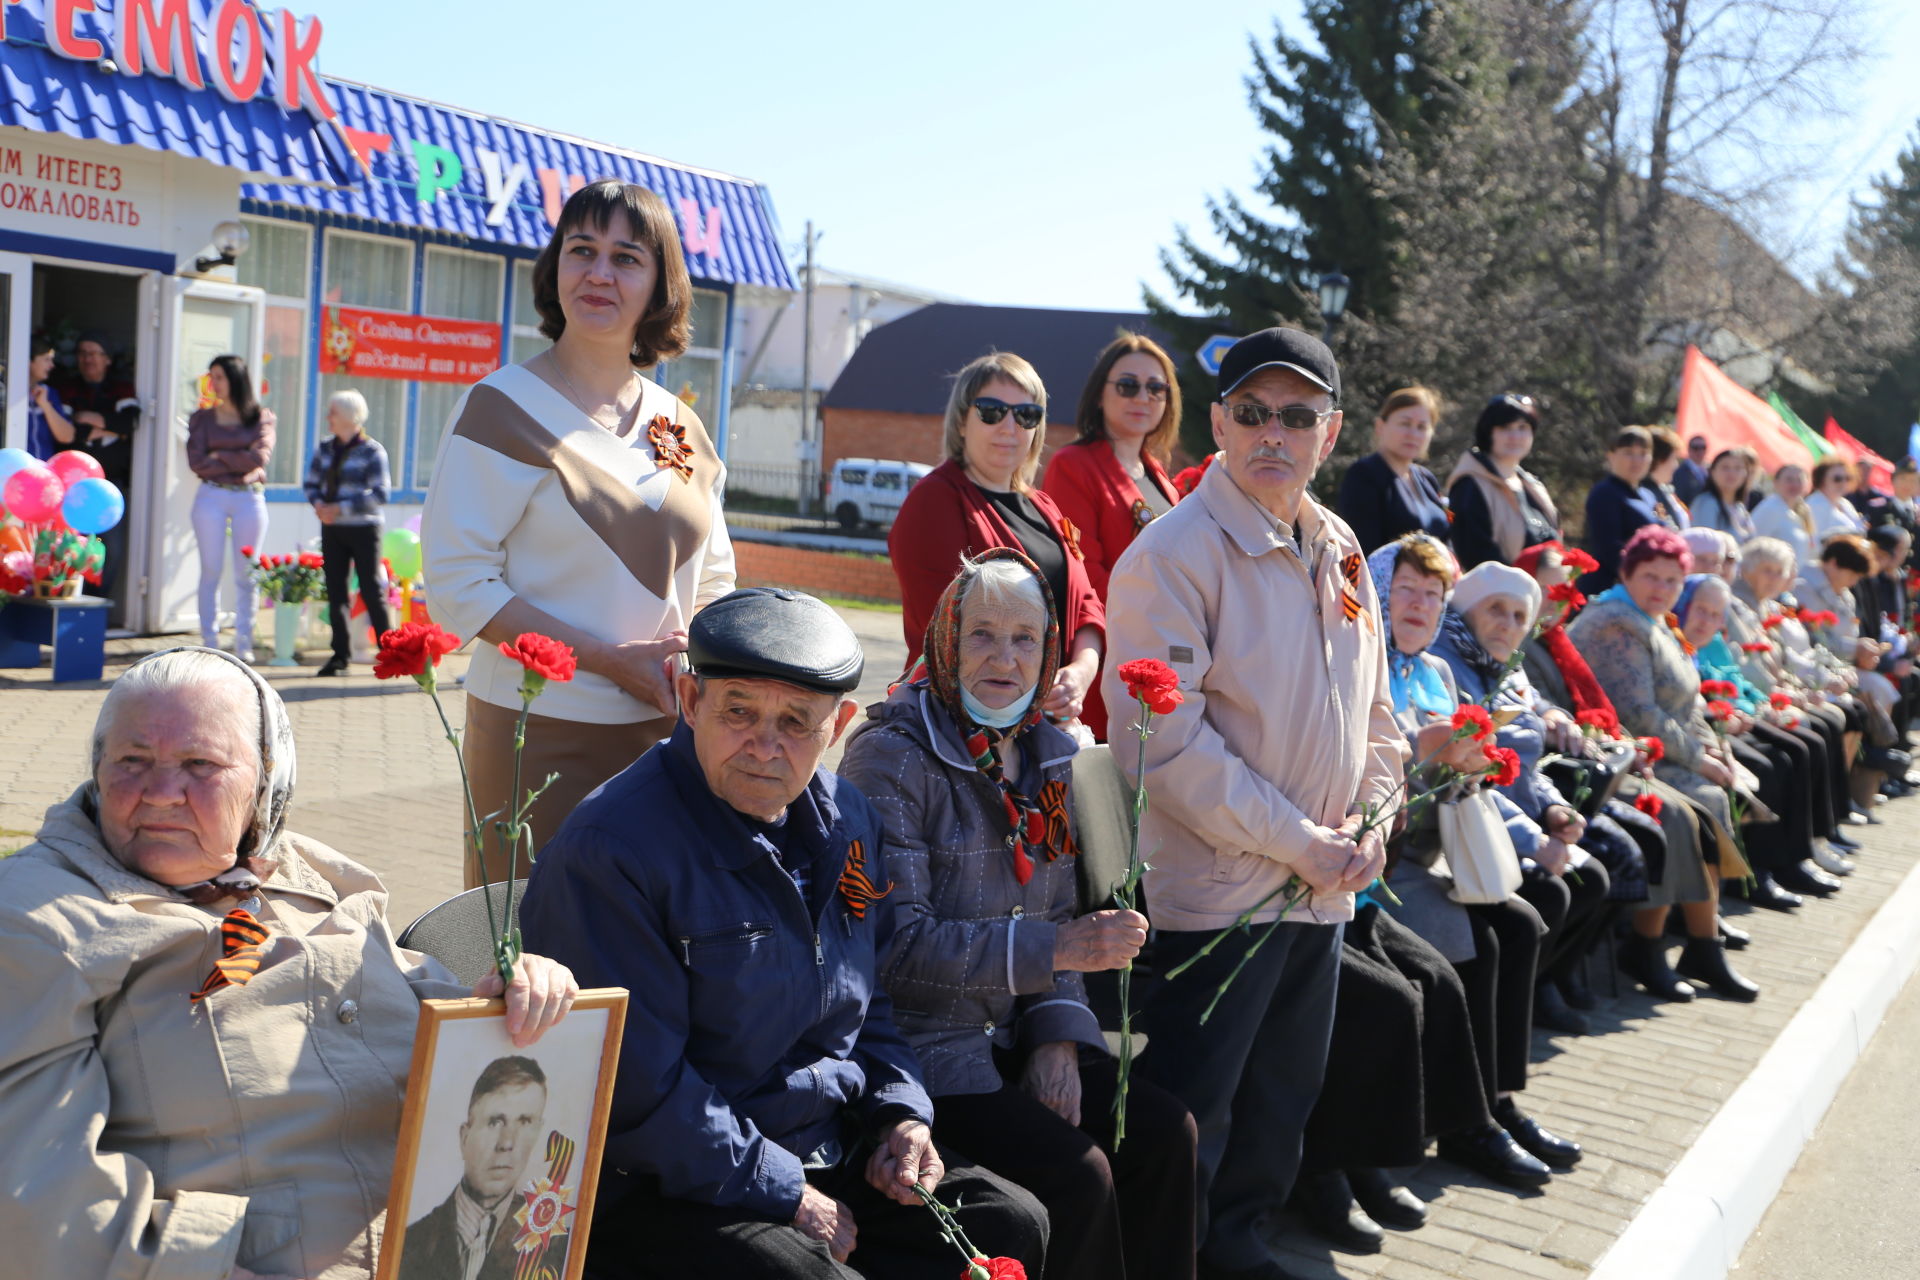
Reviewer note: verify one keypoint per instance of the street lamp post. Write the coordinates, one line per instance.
(1333, 302)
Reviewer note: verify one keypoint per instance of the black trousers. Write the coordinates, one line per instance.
(1499, 984)
(646, 1235)
(1574, 909)
(1250, 1073)
(1115, 1215)
(355, 546)
(1401, 1066)
(1783, 766)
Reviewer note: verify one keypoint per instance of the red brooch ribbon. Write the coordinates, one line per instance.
(669, 441)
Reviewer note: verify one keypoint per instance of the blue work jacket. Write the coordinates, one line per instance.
(757, 1039)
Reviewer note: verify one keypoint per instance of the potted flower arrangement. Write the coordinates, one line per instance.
(289, 583)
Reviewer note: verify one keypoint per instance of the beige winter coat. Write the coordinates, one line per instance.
(1287, 724)
(151, 1137)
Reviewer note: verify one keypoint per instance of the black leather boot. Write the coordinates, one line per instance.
(1555, 1153)
(1386, 1201)
(1493, 1153)
(1645, 961)
(1704, 961)
(1551, 1012)
(1326, 1201)
(1766, 892)
(1804, 878)
(1736, 939)
(1573, 986)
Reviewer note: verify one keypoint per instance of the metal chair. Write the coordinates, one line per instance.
(456, 932)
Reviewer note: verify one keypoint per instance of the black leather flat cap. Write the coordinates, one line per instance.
(769, 633)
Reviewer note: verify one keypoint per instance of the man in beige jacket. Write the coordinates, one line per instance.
(1257, 596)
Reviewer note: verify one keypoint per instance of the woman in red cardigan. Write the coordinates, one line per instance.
(983, 496)
(1112, 480)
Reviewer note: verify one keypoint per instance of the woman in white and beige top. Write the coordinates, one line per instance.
(578, 499)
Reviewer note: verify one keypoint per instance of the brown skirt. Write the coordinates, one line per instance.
(583, 755)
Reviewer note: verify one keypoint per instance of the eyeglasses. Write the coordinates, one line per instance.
(991, 411)
(1294, 417)
(1129, 386)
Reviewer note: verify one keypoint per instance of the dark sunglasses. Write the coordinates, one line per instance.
(991, 411)
(1129, 386)
(1294, 417)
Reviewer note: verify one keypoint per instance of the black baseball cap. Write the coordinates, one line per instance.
(1280, 348)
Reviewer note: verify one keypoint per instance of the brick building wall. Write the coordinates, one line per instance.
(819, 573)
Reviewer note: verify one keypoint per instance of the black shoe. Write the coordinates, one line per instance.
(1704, 961)
(1555, 1153)
(1574, 988)
(1887, 760)
(1645, 961)
(1766, 892)
(1385, 1201)
(1736, 939)
(1492, 1153)
(1325, 1201)
(1804, 878)
(1551, 1011)
(1844, 841)
(334, 666)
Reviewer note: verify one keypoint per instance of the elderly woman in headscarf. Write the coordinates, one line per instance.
(1792, 766)
(1636, 653)
(971, 783)
(209, 1026)
(1494, 949)
(1566, 857)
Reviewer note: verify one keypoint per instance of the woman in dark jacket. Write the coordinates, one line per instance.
(1388, 493)
(1620, 504)
(1499, 508)
(970, 782)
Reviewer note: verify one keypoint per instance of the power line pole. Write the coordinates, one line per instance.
(809, 437)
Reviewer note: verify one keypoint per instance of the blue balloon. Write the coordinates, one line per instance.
(92, 505)
(11, 460)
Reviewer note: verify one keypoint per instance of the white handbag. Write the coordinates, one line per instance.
(1479, 852)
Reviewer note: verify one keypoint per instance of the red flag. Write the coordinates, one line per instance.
(1881, 474)
(1727, 414)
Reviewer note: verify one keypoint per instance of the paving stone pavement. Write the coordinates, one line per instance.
(378, 782)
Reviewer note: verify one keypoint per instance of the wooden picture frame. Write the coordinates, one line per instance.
(536, 1152)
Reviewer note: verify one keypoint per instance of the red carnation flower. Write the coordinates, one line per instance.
(413, 650)
(1155, 684)
(544, 658)
(1755, 646)
(1567, 594)
(1650, 804)
(1506, 765)
(1654, 749)
(1780, 701)
(247, 552)
(1774, 621)
(1599, 718)
(1720, 709)
(1578, 561)
(1472, 721)
(995, 1269)
(1718, 689)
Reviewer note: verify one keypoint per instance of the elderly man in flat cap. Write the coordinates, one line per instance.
(768, 1119)
(1258, 597)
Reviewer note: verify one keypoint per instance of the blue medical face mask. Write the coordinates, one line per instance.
(996, 717)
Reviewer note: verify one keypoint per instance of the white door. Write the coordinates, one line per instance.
(197, 320)
(16, 318)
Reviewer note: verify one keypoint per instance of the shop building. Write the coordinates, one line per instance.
(388, 246)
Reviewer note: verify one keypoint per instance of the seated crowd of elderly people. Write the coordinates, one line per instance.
(848, 985)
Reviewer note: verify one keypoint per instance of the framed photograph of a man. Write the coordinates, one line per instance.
(500, 1146)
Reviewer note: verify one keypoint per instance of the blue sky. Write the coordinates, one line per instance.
(1034, 154)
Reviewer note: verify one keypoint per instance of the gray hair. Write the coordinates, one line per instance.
(1764, 550)
(352, 403)
(169, 672)
(1002, 582)
(1716, 584)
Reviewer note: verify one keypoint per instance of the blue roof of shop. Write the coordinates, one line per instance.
(748, 252)
(49, 94)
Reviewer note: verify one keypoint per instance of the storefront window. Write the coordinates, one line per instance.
(527, 340)
(280, 261)
(372, 271)
(695, 376)
(460, 286)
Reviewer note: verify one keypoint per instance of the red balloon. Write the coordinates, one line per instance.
(34, 493)
(74, 464)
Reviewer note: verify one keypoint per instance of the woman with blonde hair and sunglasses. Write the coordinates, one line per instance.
(983, 496)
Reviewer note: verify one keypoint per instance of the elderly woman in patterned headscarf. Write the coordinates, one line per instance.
(970, 780)
(209, 1025)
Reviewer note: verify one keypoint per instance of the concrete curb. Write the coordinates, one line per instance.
(1695, 1225)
